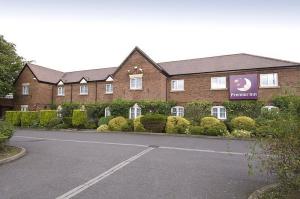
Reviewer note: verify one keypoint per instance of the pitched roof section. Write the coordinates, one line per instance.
(222, 63)
(44, 74)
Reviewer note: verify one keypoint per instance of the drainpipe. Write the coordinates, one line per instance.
(71, 93)
(96, 92)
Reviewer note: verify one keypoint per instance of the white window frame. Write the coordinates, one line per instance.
(218, 112)
(216, 83)
(107, 112)
(135, 111)
(272, 80)
(177, 111)
(60, 91)
(109, 89)
(84, 89)
(24, 108)
(270, 107)
(175, 85)
(136, 83)
(25, 89)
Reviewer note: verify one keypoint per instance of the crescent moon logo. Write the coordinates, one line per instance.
(246, 87)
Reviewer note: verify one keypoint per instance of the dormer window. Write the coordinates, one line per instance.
(84, 90)
(60, 89)
(136, 82)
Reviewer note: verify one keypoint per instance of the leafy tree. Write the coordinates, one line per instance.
(10, 65)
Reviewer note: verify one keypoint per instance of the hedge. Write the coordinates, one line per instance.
(67, 109)
(154, 122)
(195, 111)
(13, 117)
(177, 124)
(248, 108)
(137, 125)
(79, 118)
(213, 126)
(243, 123)
(29, 118)
(46, 116)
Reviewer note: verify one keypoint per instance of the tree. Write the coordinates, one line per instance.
(10, 65)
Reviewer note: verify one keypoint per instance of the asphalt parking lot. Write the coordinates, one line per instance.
(127, 166)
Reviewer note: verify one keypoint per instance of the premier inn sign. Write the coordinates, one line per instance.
(243, 86)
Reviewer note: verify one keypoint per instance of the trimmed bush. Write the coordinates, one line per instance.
(6, 130)
(104, 120)
(196, 130)
(79, 118)
(249, 108)
(29, 118)
(243, 123)
(13, 117)
(212, 126)
(195, 111)
(102, 128)
(46, 116)
(116, 124)
(154, 122)
(240, 134)
(137, 125)
(67, 109)
(177, 124)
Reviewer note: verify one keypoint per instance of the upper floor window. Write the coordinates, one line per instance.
(177, 85)
(177, 111)
(84, 89)
(108, 88)
(61, 91)
(24, 107)
(218, 83)
(135, 111)
(219, 112)
(136, 83)
(25, 89)
(107, 112)
(269, 80)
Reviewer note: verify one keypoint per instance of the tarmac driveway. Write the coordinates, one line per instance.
(127, 166)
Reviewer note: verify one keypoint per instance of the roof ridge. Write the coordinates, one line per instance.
(271, 58)
(91, 69)
(44, 67)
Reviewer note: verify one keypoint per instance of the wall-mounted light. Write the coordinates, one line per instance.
(34, 78)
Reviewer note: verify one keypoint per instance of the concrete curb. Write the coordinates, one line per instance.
(15, 157)
(256, 194)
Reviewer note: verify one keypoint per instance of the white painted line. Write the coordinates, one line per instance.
(201, 150)
(81, 141)
(102, 176)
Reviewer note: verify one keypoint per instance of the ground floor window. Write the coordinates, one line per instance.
(135, 111)
(177, 111)
(107, 112)
(219, 112)
(24, 107)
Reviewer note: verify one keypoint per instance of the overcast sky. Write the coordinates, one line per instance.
(72, 35)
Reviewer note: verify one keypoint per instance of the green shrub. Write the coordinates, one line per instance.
(116, 124)
(95, 111)
(90, 124)
(243, 123)
(29, 118)
(67, 109)
(265, 131)
(79, 118)
(247, 108)
(212, 126)
(104, 120)
(6, 130)
(129, 127)
(46, 116)
(13, 117)
(137, 125)
(120, 107)
(154, 122)
(61, 126)
(269, 114)
(3, 139)
(195, 111)
(103, 128)
(240, 133)
(177, 124)
(54, 122)
(196, 130)
(288, 103)
(67, 121)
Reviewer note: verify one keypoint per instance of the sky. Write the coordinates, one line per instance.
(71, 35)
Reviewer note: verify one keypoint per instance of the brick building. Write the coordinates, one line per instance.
(215, 79)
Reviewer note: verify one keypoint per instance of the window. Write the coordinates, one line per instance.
(135, 111)
(270, 108)
(269, 80)
(25, 89)
(108, 88)
(177, 85)
(136, 83)
(60, 91)
(24, 107)
(219, 112)
(177, 111)
(218, 83)
(84, 90)
(107, 112)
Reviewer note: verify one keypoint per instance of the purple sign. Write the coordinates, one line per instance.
(243, 86)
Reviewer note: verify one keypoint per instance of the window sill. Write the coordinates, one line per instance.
(25, 94)
(218, 89)
(174, 91)
(83, 94)
(60, 95)
(109, 93)
(269, 87)
(138, 89)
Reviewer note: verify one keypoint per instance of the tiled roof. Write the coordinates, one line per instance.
(45, 74)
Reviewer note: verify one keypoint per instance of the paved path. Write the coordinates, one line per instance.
(126, 166)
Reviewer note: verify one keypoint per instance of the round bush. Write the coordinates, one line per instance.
(104, 120)
(241, 133)
(116, 124)
(207, 122)
(243, 123)
(213, 126)
(137, 125)
(196, 130)
(102, 128)
(177, 124)
(154, 122)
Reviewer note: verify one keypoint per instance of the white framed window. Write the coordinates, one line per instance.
(84, 89)
(108, 88)
(25, 89)
(61, 91)
(177, 85)
(218, 83)
(135, 111)
(268, 80)
(107, 112)
(270, 108)
(24, 107)
(136, 83)
(177, 111)
(219, 112)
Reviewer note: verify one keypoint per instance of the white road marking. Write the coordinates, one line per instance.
(201, 150)
(102, 176)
